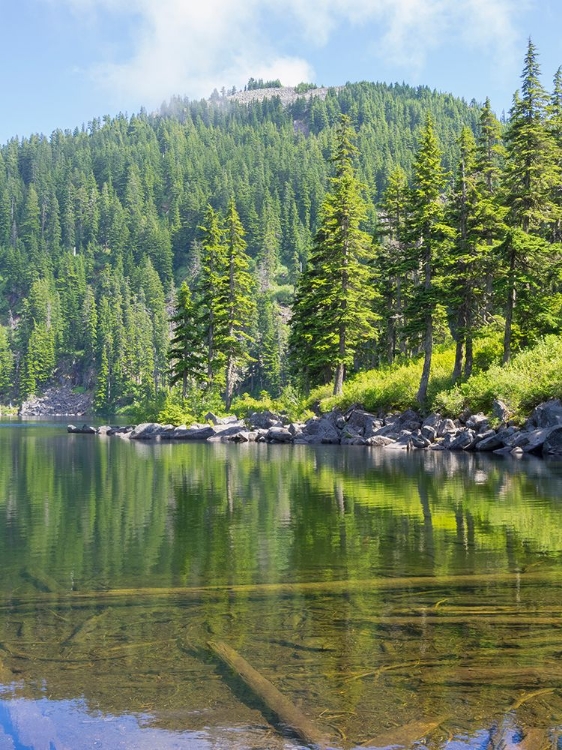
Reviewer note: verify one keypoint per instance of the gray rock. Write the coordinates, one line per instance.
(552, 446)
(432, 420)
(548, 414)
(295, 428)
(86, 429)
(379, 441)
(501, 410)
(445, 427)
(419, 442)
(279, 435)
(194, 433)
(429, 433)
(263, 420)
(490, 443)
(146, 431)
(229, 419)
(463, 441)
(478, 422)
(363, 423)
(321, 430)
(530, 441)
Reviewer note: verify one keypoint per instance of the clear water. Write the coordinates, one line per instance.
(392, 598)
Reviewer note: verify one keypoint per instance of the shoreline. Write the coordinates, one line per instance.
(541, 435)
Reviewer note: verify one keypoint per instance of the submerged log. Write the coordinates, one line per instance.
(407, 734)
(320, 588)
(287, 712)
(40, 580)
(85, 628)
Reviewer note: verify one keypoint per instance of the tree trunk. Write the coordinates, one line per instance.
(338, 380)
(428, 351)
(509, 310)
(428, 338)
(457, 369)
(469, 357)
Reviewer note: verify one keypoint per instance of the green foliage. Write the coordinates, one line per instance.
(330, 317)
(302, 88)
(530, 377)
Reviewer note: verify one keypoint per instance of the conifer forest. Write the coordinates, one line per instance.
(222, 247)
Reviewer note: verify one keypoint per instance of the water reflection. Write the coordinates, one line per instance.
(376, 590)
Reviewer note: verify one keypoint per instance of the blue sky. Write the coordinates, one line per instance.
(65, 62)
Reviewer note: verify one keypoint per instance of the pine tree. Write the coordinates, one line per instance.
(532, 173)
(390, 259)
(186, 356)
(332, 314)
(241, 307)
(427, 242)
(212, 295)
(475, 218)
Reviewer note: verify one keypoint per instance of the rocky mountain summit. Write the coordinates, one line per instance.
(287, 94)
(540, 435)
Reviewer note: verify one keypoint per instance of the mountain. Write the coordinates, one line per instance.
(98, 225)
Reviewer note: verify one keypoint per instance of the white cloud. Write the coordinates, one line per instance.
(192, 46)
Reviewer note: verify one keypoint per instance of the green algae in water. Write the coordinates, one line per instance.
(379, 594)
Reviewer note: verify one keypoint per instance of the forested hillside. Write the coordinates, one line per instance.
(99, 226)
(224, 246)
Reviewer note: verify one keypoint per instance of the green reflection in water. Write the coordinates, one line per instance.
(372, 588)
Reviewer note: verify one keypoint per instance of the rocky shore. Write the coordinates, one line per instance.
(57, 402)
(540, 435)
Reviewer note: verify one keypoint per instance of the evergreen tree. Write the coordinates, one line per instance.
(532, 173)
(240, 303)
(212, 294)
(427, 242)
(390, 262)
(475, 218)
(186, 356)
(331, 312)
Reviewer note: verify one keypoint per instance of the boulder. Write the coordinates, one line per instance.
(501, 410)
(419, 442)
(230, 419)
(279, 435)
(321, 430)
(552, 445)
(263, 420)
(379, 441)
(146, 431)
(428, 432)
(446, 426)
(363, 423)
(86, 429)
(490, 443)
(548, 414)
(478, 422)
(463, 440)
(193, 433)
(530, 441)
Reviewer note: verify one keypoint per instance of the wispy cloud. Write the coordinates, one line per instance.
(186, 46)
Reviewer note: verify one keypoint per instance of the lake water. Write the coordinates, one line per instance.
(392, 598)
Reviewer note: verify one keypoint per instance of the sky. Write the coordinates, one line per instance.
(66, 62)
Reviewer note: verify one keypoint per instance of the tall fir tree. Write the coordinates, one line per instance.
(240, 304)
(212, 294)
(186, 354)
(532, 173)
(332, 314)
(428, 236)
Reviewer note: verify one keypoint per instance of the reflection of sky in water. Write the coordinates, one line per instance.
(66, 725)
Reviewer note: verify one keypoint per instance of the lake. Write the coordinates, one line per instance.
(390, 597)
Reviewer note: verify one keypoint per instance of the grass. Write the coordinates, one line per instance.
(532, 376)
